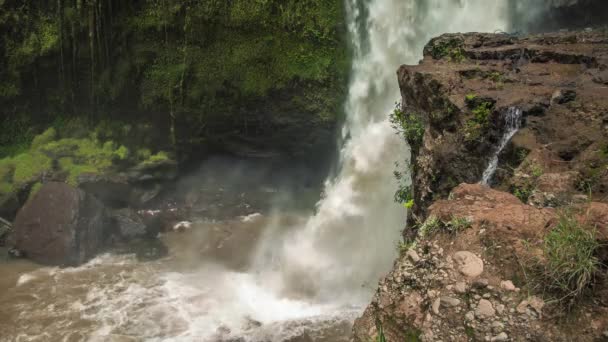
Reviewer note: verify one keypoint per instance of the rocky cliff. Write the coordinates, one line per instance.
(523, 257)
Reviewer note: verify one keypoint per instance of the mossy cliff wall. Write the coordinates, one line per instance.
(243, 76)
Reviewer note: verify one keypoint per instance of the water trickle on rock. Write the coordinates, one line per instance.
(512, 118)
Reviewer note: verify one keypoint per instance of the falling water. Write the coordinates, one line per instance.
(512, 124)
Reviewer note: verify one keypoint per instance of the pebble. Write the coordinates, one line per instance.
(485, 309)
(413, 255)
(460, 287)
(449, 301)
(507, 285)
(468, 264)
(500, 337)
(500, 308)
(480, 283)
(435, 306)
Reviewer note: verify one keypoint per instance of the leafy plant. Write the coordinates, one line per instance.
(409, 125)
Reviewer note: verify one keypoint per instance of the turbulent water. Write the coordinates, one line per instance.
(512, 124)
(288, 276)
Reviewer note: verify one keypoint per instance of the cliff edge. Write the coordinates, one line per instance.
(509, 221)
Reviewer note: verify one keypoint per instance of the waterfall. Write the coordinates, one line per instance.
(512, 124)
(350, 242)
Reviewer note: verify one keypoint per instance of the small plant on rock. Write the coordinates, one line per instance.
(408, 125)
(570, 263)
(458, 224)
(431, 225)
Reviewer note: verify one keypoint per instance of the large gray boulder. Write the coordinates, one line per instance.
(60, 225)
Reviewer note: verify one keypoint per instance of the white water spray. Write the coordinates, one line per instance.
(512, 124)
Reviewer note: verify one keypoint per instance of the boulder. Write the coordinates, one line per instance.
(60, 225)
(128, 224)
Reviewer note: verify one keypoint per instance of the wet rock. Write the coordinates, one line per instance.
(113, 190)
(468, 264)
(485, 309)
(182, 226)
(5, 228)
(60, 225)
(129, 224)
(148, 249)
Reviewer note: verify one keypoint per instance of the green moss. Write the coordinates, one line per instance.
(34, 190)
(451, 49)
(28, 166)
(157, 158)
(44, 138)
(74, 170)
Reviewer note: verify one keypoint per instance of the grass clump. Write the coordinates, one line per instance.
(570, 262)
(458, 224)
(430, 226)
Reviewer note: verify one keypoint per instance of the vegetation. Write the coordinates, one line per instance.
(71, 157)
(194, 67)
(526, 187)
(481, 111)
(409, 125)
(451, 49)
(570, 262)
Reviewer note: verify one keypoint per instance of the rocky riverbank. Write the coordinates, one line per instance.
(523, 259)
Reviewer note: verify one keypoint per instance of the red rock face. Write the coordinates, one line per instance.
(61, 225)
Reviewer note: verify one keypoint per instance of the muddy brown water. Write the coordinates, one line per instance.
(206, 289)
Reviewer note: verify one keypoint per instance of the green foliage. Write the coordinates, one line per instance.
(482, 112)
(430, 226)
(495, 76)
(458, 224)
(475, 127)
(523, 193)
(451, 49)
(570, 262)
(409, 125)
(44, 138)
(380, 336)
(524, 190)
(34, 190)
(409, 204)
(470, 97)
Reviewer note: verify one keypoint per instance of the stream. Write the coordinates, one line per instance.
(289, 273)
